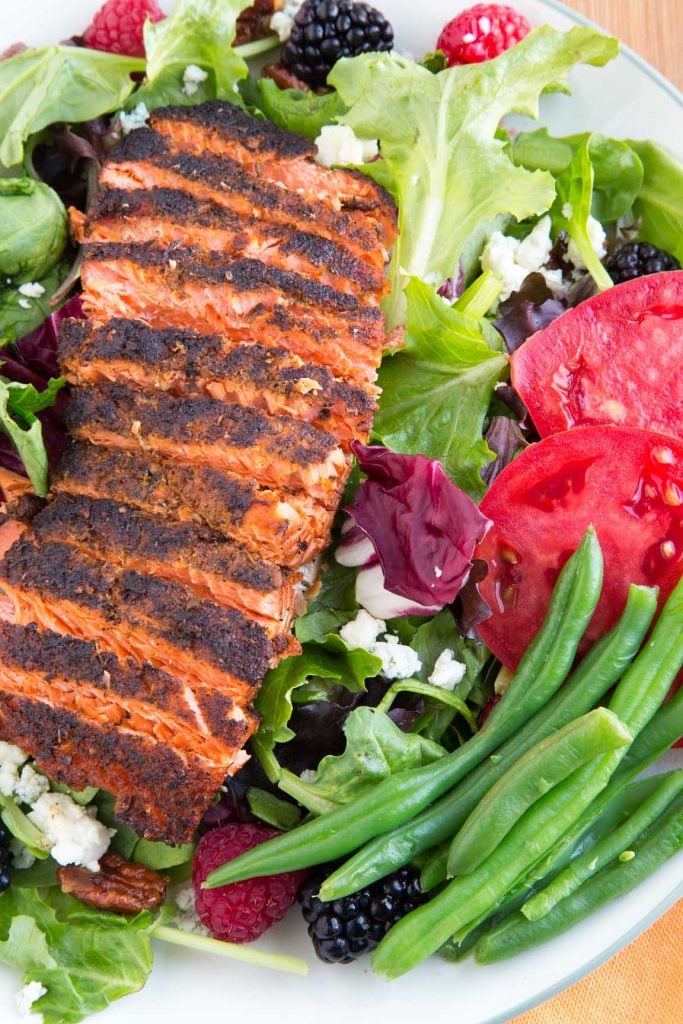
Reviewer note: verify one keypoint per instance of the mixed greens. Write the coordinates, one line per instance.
(385, 771)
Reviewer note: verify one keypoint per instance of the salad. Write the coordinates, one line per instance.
(474, 676)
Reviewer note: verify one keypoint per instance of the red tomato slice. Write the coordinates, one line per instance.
(628, 483)
(616, 358)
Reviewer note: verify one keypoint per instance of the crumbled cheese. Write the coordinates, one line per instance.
(30, 786)
(11, 760)
(362, 631)
(596, 237)
(24, 303)
(187, 918)
(193, 76)
(75, 835)
(135, 118)
(567, 211)
(398, 660)
(447, 672)
(282, 21)
(514, 260)
(32, 289)
(26, 997)
(339, 144)
(438, 572)
(21, 857)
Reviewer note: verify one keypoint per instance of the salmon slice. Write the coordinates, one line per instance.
(240, 300)
(13, 486)
(70, 707)
(144, 159)
(131, 615)
(276, 451)
(189, 364)
(288, 529)
(213, 568)
(280, 157)
(174, 217)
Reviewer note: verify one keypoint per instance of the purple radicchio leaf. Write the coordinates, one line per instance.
(422, 526)
(505, 438)
(529, 310)
(453, 287)
(470, 608)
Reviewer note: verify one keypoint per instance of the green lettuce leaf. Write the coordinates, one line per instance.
(303, 113)
(572, 208)
(450, 174)
(58, 83)
(18, 405)
(85, 958)
(333, 606)
(199, 32)
(17, 320)
(436, 391)
(659, 203)
(375, 749)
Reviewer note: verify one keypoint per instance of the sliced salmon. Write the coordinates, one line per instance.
(90, 721)
(280, 157)
(175, 217)
(212, 567)
(288, 529)
(144, 159)
(242, 300)
(143, 617)
(276, 451)
(189, 364)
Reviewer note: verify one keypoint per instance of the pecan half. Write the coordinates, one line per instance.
(284, 78)
(254, 22)
(119, 886)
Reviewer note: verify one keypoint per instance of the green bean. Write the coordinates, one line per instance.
(401, 796)
(596, 674)
(604, 852)
(517, 933)
(544, 766)
(470, 898)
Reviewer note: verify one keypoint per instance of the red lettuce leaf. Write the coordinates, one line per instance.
(423, 527)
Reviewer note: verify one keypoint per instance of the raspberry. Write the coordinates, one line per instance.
(481, 33)
(117, 26)
(242, 911)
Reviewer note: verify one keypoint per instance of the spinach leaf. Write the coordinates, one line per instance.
(17, 320)
(303, 113)
(58, 83)
(436, 391)
(659, 203)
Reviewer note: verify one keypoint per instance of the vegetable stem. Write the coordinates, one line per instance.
(231, 950)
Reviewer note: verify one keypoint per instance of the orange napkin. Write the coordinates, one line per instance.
(641, 985)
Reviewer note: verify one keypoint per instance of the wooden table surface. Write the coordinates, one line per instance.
(654, 28)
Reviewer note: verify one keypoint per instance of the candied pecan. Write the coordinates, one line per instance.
(119, 886)
(284, 78)
(254, 22)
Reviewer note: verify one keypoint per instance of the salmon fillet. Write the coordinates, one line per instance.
(189, 364)
(288, 529)
(124, 728)
(241, 299)
(280, 157)
(175, 217)
(145, 159)
(276, 451)
(213, 568)
(131, 615)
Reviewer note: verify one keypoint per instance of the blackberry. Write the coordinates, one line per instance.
(342, 930)
(5, 859)
(325, 30)
(636, 259)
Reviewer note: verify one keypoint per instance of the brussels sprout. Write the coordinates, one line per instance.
(33, 232)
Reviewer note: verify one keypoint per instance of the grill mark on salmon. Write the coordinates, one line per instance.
(136, 616)
(213, 568)
(169, 292)
(288, 529)
(171, 216)
(273, 450)
(188, 364)
(267, 153)
(144, 160)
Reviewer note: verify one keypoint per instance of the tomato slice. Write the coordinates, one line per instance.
(616, 358)
(627, 482)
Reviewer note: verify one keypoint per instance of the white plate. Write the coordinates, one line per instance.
(626, 99)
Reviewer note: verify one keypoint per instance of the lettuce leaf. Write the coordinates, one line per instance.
(304, 113)
(19, 404)
(659, 203)
(199, 32)
(450, 174)
(84, 958)
(436, 391)
(58, 83)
